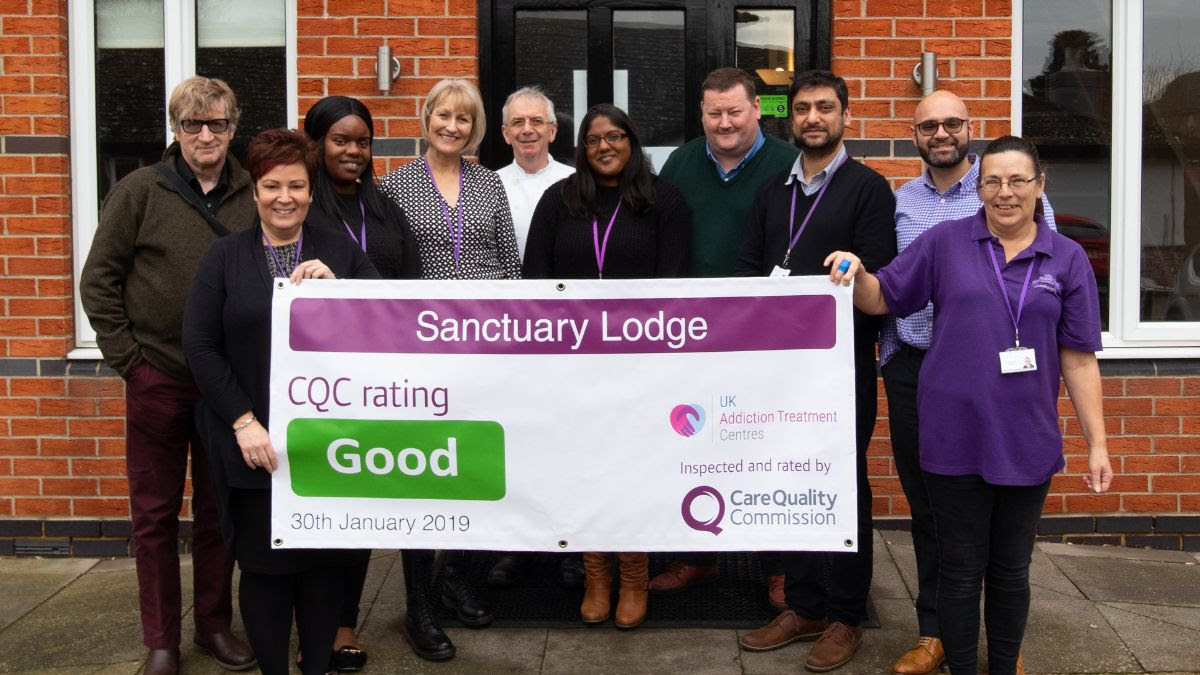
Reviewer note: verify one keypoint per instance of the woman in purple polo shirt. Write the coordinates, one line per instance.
(1015, 310)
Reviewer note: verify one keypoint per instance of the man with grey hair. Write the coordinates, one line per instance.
(155, 225)
(529, 126)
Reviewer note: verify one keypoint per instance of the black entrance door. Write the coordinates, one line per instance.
(647, 57)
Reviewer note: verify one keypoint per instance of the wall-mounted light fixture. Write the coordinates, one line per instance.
(387, 69)
(925, 73)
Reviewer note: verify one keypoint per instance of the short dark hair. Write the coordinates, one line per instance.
(1014, 144)
(810, 79)
(281, 147)
(724, 79)
(637, 180)
(320, 119)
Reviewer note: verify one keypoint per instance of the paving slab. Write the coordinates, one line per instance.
(487, 650)
(604, 649)
(899, 545)
(1069, 635)
(1137, 581)
(126, 668)
(1045, 576)
(30, 581)
(1157, 645)
(94, 621)
(1186, 617)
(886, 580)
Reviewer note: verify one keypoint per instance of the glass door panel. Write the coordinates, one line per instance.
(766, 50)
(649, 75)
(561, 72)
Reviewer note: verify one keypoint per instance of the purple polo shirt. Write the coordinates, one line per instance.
(973, 419)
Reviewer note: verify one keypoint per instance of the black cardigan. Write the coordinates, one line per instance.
(654, 244)
(390, 243)
(227, 338)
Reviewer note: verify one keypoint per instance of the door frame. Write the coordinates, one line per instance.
(708, 42)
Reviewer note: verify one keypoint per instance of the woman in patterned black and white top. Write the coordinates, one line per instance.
(458, 209)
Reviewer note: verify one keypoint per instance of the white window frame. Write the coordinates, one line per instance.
(1128, 337)
(179, 61)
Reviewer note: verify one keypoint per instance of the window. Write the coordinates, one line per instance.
(1110, 92)
(125, 58)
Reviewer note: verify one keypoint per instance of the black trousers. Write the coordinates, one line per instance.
(985, 536)
(836, 585)
(353, 581)
(268, 603)
(900, 381)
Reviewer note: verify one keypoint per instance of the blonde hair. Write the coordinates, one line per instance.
(457, 94)
(195, 94)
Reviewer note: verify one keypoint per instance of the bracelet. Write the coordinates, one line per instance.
(243, 425)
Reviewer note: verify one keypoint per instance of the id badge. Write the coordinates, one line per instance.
(1018, 360)
(780, 272)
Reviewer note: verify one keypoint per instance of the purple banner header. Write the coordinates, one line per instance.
(610, 326)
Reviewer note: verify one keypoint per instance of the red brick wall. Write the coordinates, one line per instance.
(61, 426)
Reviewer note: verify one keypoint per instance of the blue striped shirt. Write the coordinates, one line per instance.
(728, 175)
(919, 206)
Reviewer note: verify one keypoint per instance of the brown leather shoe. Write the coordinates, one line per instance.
(782, 631)
(631, 597)
(1020, 664)
(227, 649)
(679, 576)
(775, 594)
(834, 648)
(925, 657)
(597, 587)
(162, 662)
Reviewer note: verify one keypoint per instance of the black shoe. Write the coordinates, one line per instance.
(506, 572)
(426, 637)
(458, 595)
(570, 571)
(348, 659)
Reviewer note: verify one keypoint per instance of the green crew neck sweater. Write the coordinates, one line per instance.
(719, 208)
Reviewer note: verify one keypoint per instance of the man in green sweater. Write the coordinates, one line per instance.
(719, 174)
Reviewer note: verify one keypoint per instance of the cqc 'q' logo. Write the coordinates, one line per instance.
(687, 419)
(689, 516)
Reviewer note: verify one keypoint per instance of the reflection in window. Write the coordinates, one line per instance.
(648, 73)
(561, 71)
(766, 50)
(243, 43)
(1170, 260)
(1067, 111)
(130, 101)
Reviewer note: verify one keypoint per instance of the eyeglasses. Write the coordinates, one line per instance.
(612, 138)
(217, 126)
(952, 125)
(518, 122)
(1016, 184)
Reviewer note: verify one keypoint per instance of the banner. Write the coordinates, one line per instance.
(664, 415)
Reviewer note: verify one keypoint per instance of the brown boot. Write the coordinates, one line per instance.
(597, 587)
(635, 579)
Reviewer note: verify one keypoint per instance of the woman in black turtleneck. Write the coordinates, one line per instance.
(347, 200)
(612, 219)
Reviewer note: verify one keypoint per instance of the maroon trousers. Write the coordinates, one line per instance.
(159, 429)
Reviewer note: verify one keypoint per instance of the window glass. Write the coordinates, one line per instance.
(561, 72)
(1067, 111)
(1170, 255)
(648, 76)
(243, 43)
(130, 106)
(766, 50)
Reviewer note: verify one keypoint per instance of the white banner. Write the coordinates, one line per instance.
(665, 415)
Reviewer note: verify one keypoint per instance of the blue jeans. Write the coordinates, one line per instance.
(985, 534)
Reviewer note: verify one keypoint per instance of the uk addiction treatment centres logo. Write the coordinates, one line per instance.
(687, 419)
(704, 493)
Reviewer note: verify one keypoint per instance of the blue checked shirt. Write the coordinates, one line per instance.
(919, 206)
(728, 175)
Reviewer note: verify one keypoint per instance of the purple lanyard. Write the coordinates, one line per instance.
(1016, 318)
(804, 223)
(455, 240)
(362, 238)
(271, 250)
(601, 249)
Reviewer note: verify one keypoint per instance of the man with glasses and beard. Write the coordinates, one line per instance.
(941, 132)
(826, 199)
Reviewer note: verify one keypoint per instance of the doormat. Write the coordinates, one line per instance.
(736, 599)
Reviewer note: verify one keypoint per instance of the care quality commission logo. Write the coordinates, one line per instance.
(687, 419)
(700, 516)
